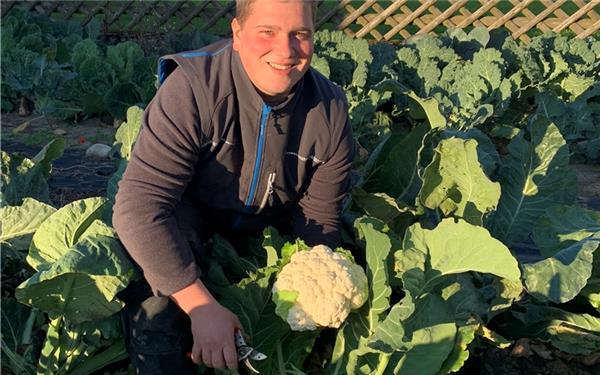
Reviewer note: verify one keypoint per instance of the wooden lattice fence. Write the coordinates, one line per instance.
(392, 20)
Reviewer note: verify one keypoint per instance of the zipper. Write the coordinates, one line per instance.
(259, 151)
(268, 192)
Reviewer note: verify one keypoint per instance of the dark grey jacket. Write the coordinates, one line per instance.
(209, 138)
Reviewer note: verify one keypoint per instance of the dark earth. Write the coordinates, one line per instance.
(75, 177)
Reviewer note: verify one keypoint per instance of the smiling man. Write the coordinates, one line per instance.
(241, 135)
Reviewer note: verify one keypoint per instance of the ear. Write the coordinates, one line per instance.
(236, 29)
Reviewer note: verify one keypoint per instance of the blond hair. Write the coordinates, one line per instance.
(242, 9)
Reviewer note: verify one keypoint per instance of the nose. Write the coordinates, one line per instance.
(287, 46)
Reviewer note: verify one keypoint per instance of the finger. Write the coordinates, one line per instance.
(206, 357)
(217, 359)
(231, 358)
(196, 356)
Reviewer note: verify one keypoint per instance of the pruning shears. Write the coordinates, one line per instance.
(245, 353)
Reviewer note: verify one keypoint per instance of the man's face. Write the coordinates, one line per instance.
(275, 43)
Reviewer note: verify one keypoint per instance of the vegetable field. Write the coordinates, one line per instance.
(480, 251)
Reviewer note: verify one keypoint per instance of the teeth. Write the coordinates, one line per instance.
(282, 67)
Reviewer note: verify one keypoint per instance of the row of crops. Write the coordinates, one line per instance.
(465, 142)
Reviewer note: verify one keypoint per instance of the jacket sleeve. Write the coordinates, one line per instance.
(317, 217)
(161, 166)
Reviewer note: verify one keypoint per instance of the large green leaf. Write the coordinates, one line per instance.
(591, 291)
(455, 183)
(82, 284)
(57, 234)
(23, 220)
(420, 108)
(486, 150)
(534, 175)
(433, 337)
(389, 336)
(398, 169)
(456, 247)
(351, 353)
(430, 348)
(464, 298)
(562, 226)
(570, 332)
(378, 248)
(561, 277)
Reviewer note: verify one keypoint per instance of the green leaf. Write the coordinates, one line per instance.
(378, 247)
(21, 178)
(82, 284)
(460, 353)
(492, 337)
(18, 320)
(320, 64)
(389, 336)
(284, 300)
(398, 169)
(62, 230)
(486, 150)
(50, 152)
(251, 301)
(127, 133)
(351, 352)
(455, 182)
(272, 243)
(569, 332)
(560, 278)
(576, 85)
(506, 292)
(430, 348)
(119, 98)
(562, 226)
(433, 337)
(377, 205)
(464, 298)
(348, 58)
(457, 247)
(111, 189)
(421, 108)
(23, 220)
(534, 174)
(236, 266)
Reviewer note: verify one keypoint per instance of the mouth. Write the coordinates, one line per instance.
(281, 67)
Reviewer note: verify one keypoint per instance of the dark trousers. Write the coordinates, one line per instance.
(157, 332)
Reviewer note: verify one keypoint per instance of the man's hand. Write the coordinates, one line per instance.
(213, 327)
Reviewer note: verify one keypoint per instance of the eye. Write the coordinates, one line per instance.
(303, 35)
(266, 32)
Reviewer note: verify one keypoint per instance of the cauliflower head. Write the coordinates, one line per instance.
(319, 288)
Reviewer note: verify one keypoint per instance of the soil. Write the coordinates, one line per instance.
(75, 177)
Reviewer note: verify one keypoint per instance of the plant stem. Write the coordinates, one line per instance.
(280, 363)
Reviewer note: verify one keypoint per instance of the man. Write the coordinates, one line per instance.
(241, 135)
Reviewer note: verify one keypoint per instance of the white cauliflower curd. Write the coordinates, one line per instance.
(319, 288)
